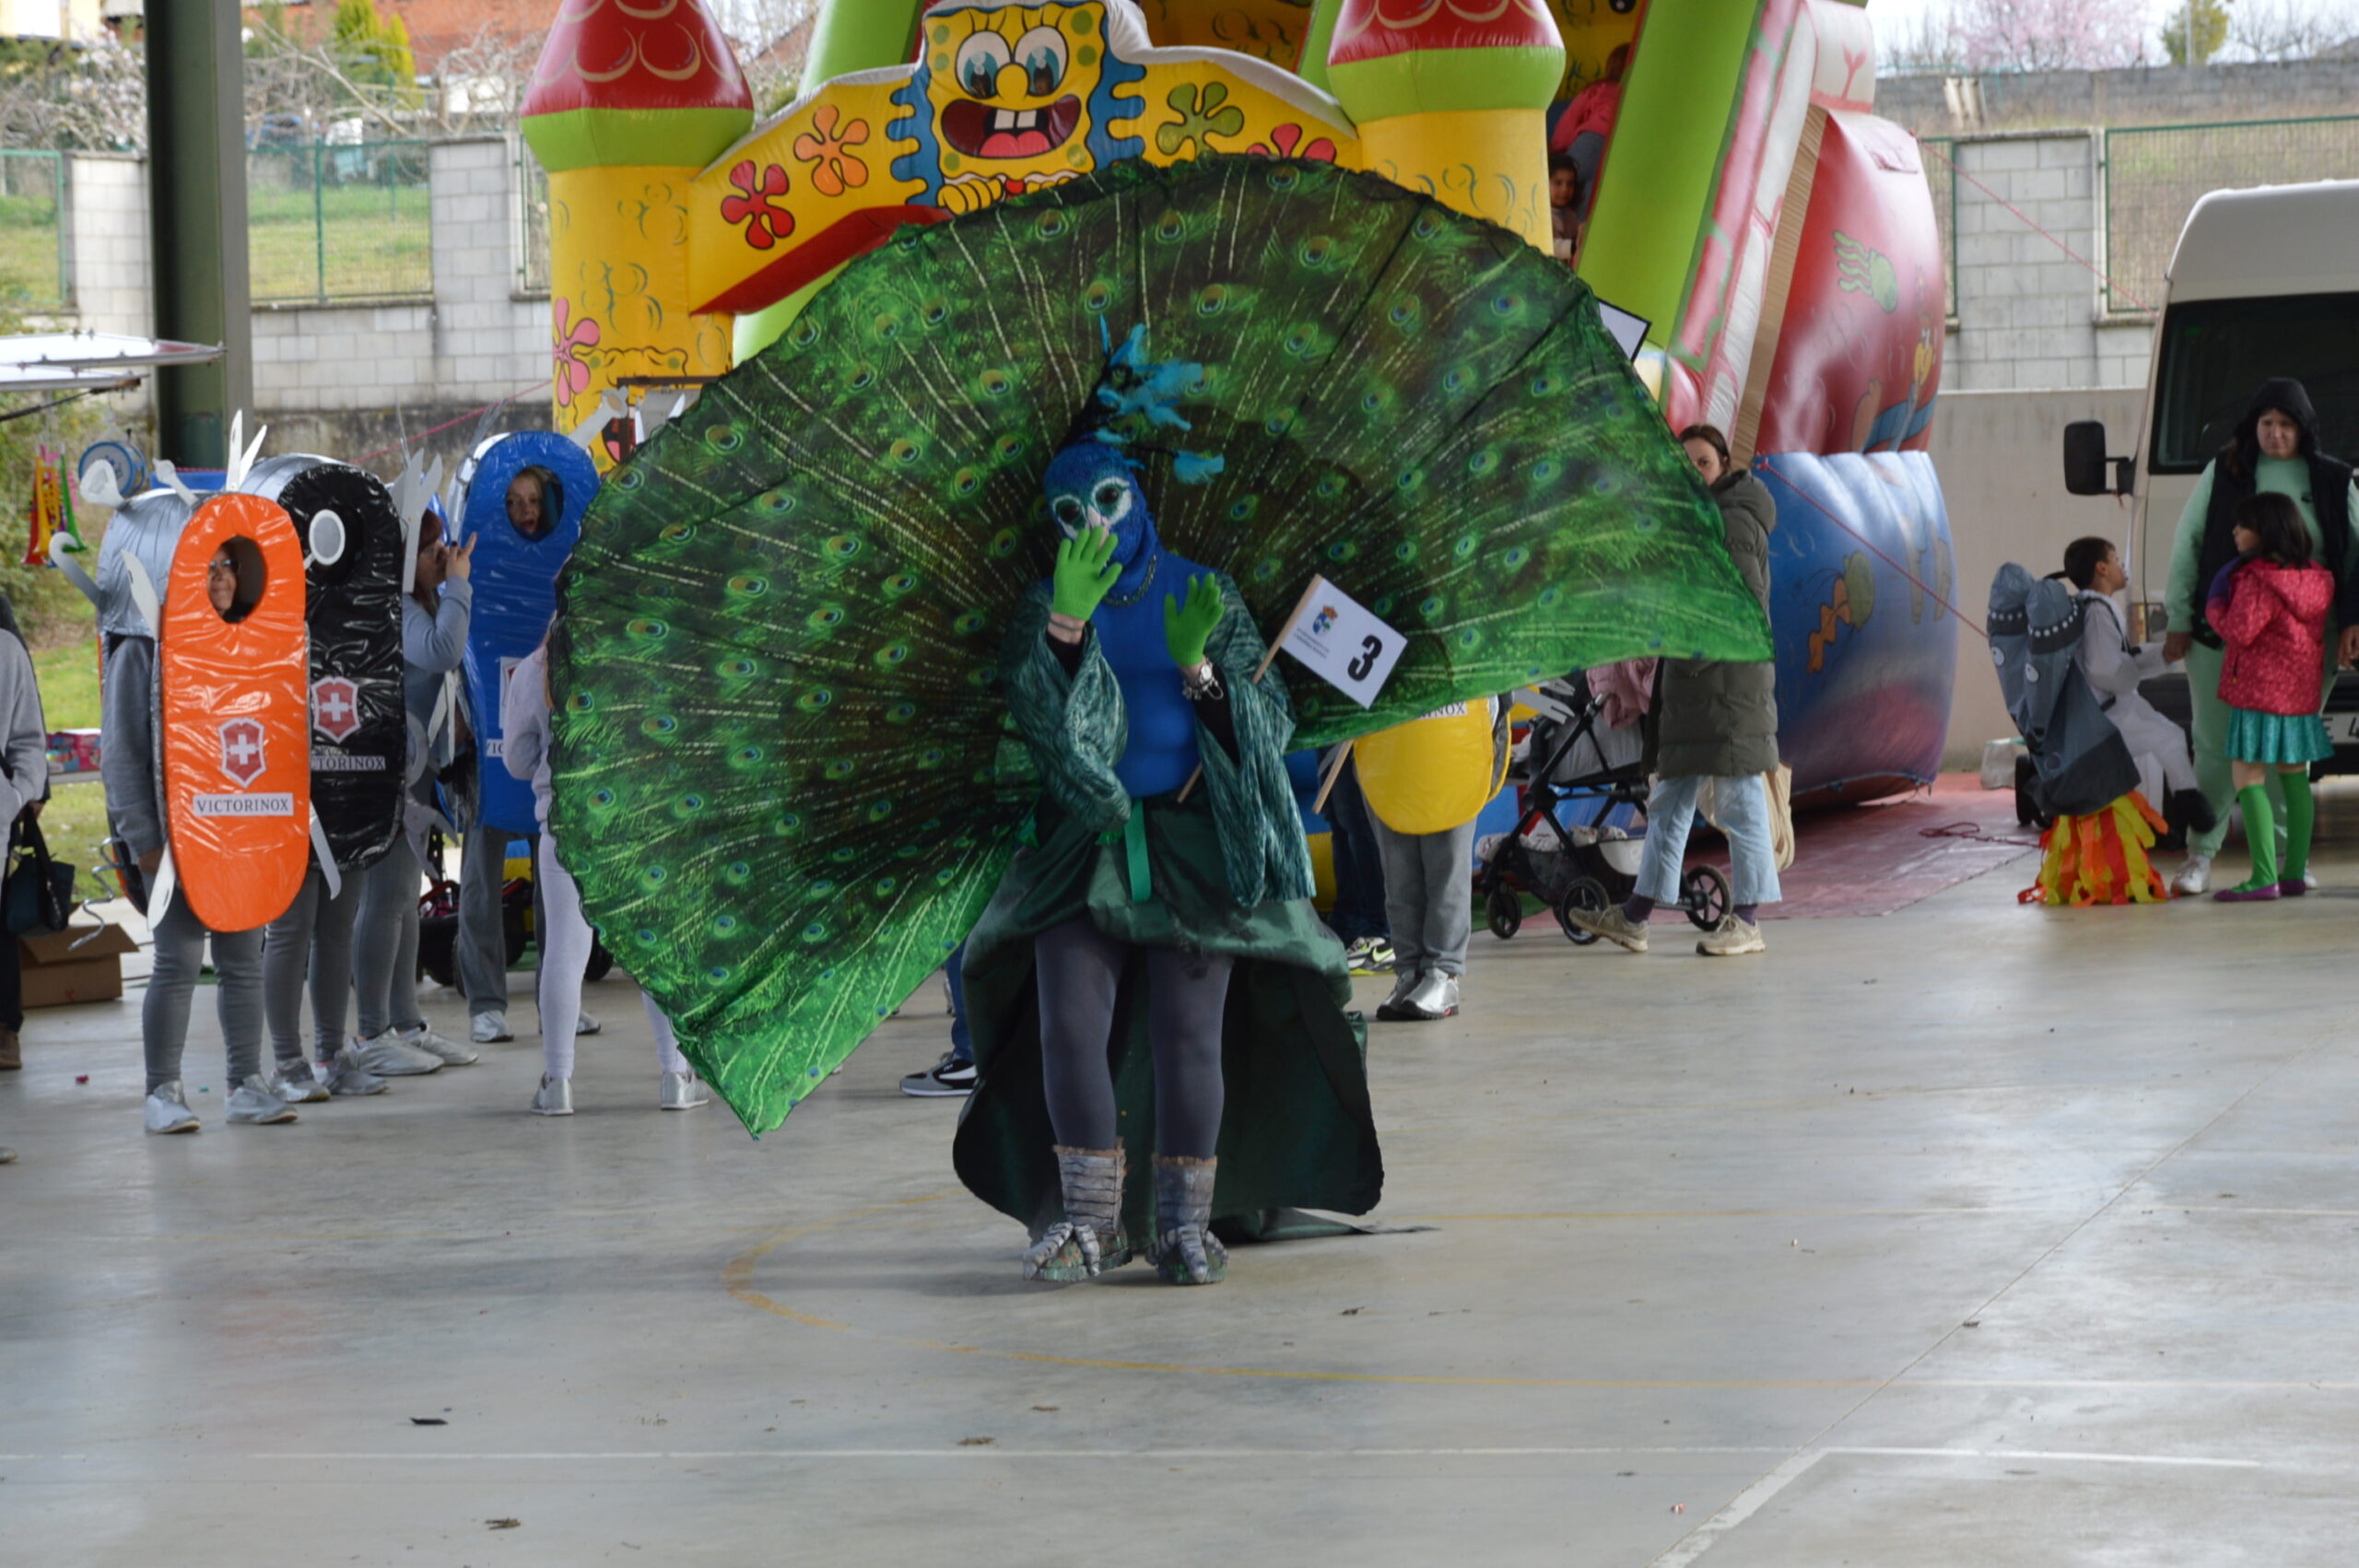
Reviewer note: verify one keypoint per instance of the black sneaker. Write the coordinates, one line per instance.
(945, 1079)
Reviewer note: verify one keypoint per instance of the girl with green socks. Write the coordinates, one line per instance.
(2270, 608)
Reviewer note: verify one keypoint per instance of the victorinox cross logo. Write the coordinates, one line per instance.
(241, 749)
(336, 707)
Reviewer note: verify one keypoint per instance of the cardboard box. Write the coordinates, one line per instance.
(57, 973)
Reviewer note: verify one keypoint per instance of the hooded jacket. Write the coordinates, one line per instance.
(2330, 501)
(2272, 618)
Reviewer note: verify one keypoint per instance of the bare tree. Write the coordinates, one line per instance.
(2022, 35)
(90, 98)
(2288, 30)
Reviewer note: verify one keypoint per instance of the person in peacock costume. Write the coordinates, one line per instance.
(826, 705)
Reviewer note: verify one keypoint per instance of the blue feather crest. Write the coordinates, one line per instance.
(1134, 388)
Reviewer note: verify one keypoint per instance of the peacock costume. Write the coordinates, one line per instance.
(821, 716)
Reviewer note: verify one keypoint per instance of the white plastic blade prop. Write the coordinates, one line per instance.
(99, 485)
(62, 559)
(171, 475)
(326, 857)
(143, 593)
(242, 461)
(611, 405)
(160, 888)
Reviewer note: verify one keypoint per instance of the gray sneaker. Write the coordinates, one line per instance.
(583, 1024)
(1612, 925)
(554, 1097)
(489, 1029)
(168, 1110)
(295, 1083)
(1391, 1008)
(256, 1103)
(682, 1091)
(345, 1076)
(390, 1056)
(451, 1052)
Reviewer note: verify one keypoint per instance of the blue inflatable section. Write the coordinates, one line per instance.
(1859, 568)
(515, 584)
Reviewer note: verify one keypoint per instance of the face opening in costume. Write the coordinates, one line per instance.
(1090, 486)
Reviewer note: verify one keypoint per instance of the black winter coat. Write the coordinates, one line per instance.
(1719, 720)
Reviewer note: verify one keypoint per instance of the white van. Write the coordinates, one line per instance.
(2264, 283)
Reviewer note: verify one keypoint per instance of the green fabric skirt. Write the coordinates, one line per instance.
(2277, 738)
(1296, 1129)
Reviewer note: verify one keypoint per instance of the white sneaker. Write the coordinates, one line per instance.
(441, 1047)
(682, 1091)
(489, 1029)
(168, 1110)
(2310, 880)
(389, 1055)
(554, 1097)
(583, 1024)
(1435, 997)
(2194, 877)
(344, 1076)
(256, 1103)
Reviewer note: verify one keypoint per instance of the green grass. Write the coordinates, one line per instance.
(378, 241)
(74, 821)
(29, 251)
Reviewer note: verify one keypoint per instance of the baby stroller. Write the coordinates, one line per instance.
(1586, 866)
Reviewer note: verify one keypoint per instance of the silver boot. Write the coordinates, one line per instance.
(1185, 1249)
(554, 1097)
(682, 1091)
(166, 1109)
(254, 1103)
(1089, 1239)
(1435, 998)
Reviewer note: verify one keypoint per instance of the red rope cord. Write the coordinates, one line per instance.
(475, 413)
(1761, 466)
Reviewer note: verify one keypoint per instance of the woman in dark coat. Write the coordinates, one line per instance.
(1716, 721)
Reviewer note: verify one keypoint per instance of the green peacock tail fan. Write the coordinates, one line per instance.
(783, 776)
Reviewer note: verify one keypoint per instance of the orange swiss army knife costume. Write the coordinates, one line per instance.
(234, 720)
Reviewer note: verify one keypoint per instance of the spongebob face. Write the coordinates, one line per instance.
(1010, 88)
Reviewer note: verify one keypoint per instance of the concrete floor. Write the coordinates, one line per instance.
(1972, 1235)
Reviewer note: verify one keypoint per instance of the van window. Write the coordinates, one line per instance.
(2217, 352)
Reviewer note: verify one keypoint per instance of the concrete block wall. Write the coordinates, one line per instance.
(106, 239)
(2029, 315)
(2138, 95)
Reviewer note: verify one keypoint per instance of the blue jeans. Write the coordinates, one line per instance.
(1743, 808)
(1359, 909)
(962, 1038)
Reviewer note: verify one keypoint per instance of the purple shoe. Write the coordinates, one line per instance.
(2247, 894)
(2292, 887)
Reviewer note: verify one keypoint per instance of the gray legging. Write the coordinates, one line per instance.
(171, 984)
(483, 931)
(384, 943)
(1079, 968)
(313, 938)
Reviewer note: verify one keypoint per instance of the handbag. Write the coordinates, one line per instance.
(39, 892)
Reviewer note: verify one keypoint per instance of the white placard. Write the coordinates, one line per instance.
(1629, 332)
(1342, 642)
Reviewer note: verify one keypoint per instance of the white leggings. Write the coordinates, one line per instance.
(565, 942)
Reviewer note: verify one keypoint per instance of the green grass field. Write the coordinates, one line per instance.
(378, 240)
(74, 821)
(29, 253)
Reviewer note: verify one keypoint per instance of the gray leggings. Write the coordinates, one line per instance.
(171, 985)
(313, 938)
(1079, 968)
(384, 943)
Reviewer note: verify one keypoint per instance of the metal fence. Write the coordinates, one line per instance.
(1936, 153)
(2154, 175)
(339, 220)
(532, 235)
(33, 274)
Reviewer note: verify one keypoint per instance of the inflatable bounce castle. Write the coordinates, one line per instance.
(1777, 237)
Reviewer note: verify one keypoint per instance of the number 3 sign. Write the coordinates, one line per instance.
(1342, 642)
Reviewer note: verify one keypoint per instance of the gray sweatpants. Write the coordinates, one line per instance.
(384, 943)
(483, 933)
(313, 938)
(1428, 896)
(171, 986)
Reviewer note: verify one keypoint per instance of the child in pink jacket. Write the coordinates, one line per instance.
(2269, 607)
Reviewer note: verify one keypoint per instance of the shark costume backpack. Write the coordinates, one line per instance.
(232, 736)
(515, 587)
(354, 547)
(2098, 848)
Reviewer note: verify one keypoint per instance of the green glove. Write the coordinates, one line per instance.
(1085, 570)
(1188, 628)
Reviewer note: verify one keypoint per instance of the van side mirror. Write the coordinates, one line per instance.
(2088, 470)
